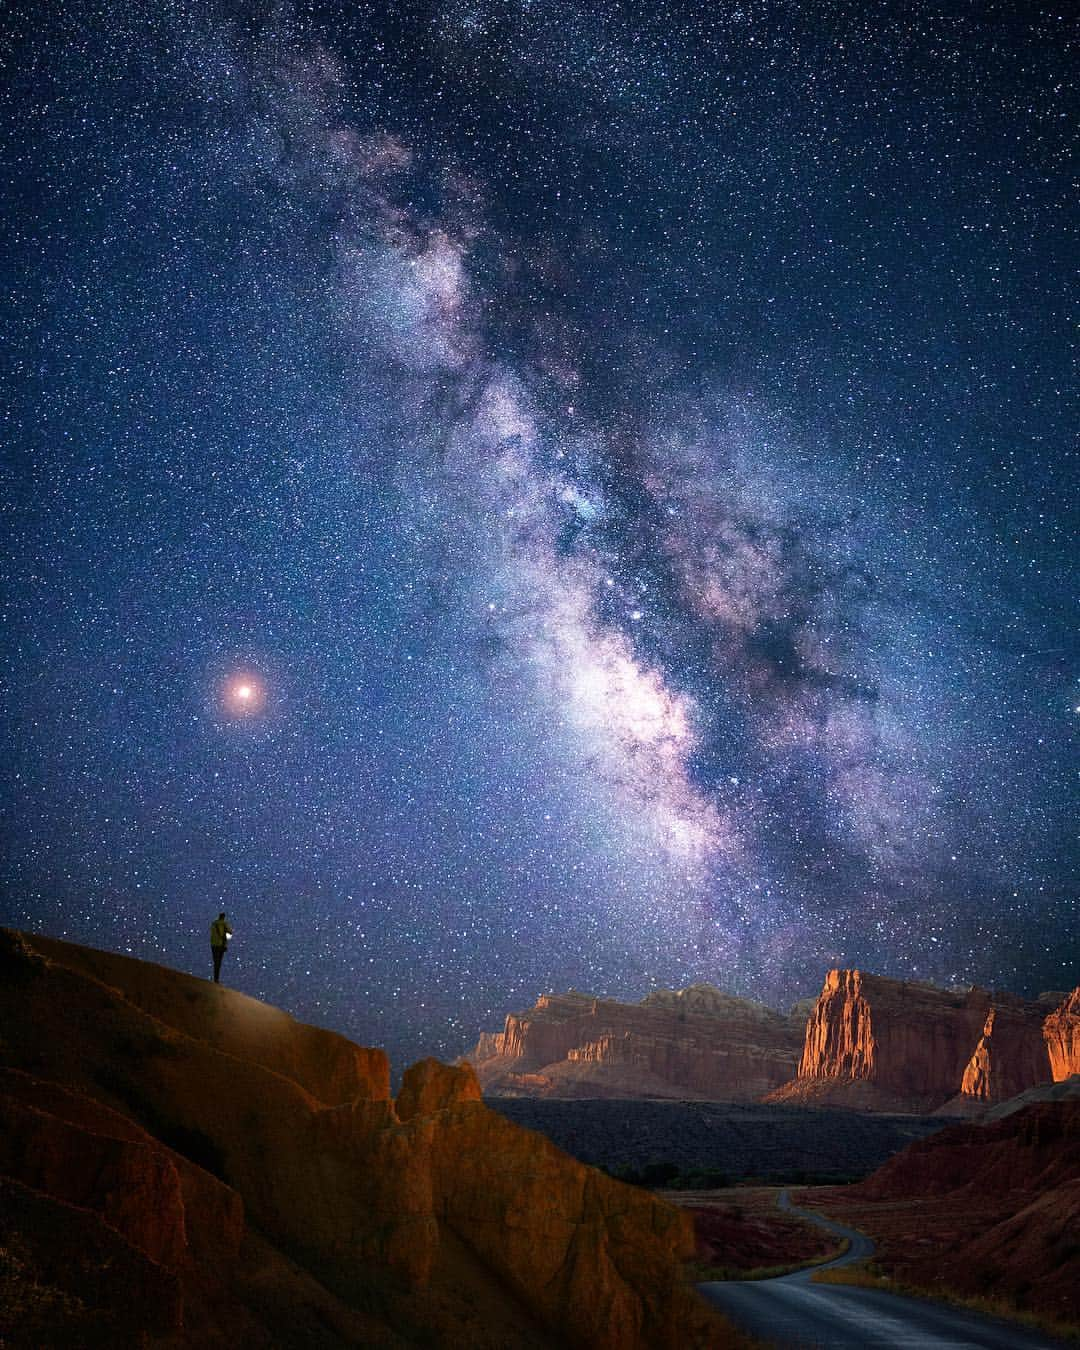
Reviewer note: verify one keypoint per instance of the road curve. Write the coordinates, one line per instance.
(790, 1311)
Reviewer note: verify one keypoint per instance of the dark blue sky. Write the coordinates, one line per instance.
(626, 452)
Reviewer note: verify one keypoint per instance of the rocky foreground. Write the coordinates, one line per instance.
(182, 1165)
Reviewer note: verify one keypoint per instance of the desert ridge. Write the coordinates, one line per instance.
(695, 1043)
(229, 1176)
(867, 1043)
(981, 1210)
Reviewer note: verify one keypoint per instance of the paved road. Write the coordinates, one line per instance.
(791, 1312)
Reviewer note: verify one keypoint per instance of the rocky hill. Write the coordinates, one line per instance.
(692, 1044)
(182, 1165)
(981, 1210)
(1068, 1089)
(889, 1045)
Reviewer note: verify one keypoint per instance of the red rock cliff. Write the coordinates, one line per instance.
(908, 1039)
(1061, 1031)
(157, 1109)
(888, 1044)
(1011, 1055)
(984, 1210)
(697, 1042)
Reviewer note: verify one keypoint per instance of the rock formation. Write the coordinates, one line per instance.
(1035, 1149)
(1011, 1054)
(1065, 1090)
(880, 1044)
(227, 1176)
(987, 1209)
(1062, 1032)
(696, 1043)
(870, 1043)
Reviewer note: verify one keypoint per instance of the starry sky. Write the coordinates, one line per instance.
(510, 495)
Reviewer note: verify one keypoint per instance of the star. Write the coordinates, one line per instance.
(243, 695)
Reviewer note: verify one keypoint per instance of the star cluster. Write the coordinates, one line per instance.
(504, 497)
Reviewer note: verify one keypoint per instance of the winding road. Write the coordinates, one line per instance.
(791, 1311)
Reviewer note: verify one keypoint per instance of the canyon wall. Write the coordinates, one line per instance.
(880, 1044)
(1062, 1034)
(867, 1042)
(1011, 1055)
(693, 1043)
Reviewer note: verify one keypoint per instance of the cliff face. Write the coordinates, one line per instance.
(1011, 1055)
(884, 1044)
(697, 1042)
(328, 1066)
(1061, 1031)
(153, 1115)
(870, 1043)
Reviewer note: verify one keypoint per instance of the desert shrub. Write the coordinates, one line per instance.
(659, 1173)
(702, 1179)
(652, 1174)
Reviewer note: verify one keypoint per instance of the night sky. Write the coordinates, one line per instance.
(512, 495)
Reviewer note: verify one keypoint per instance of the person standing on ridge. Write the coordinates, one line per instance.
(220, 933)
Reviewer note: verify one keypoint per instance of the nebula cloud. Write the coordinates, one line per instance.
(703, 623)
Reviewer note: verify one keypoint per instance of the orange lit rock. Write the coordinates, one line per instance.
(894, 1045)
(431, 1086)
(1061, 1031)
(876, 1043)
(697, 1042)
(1011, 1055)
(443, 1223)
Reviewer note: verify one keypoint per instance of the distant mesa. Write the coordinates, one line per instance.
(694, 1044)
(891, 1045)
(185, 1165)
(867, 1043)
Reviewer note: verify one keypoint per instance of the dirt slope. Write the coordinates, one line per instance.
(238, 1178)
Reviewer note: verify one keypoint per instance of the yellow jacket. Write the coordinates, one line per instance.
(219, 933)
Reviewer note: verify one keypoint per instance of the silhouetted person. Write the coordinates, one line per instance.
(220, 933)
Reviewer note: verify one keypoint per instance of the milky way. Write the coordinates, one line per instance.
(507, 497)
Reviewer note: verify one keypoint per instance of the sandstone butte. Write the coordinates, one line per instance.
(889, 1045)
(183, 1165)
(1062, 1034)
(987, 1210)
(696, 1043)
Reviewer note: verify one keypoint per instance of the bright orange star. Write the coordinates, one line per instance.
(243, 695)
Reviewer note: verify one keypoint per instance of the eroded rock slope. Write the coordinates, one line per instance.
(233, 1177)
